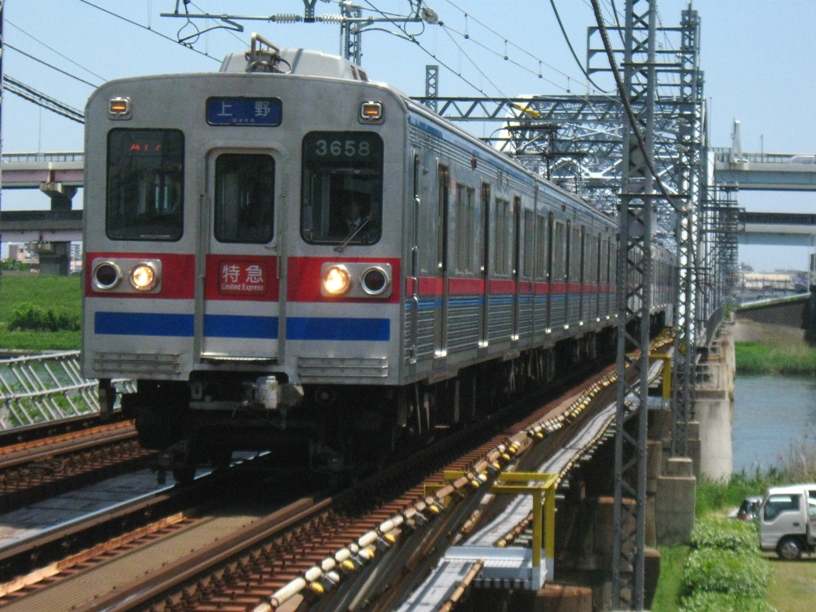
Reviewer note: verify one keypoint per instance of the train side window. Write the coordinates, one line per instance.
(145, 185)
(576, 251)
(559, 259)
(529, 241)
(342, 188)
(244, 198)
(465, 217)
(541, 247)
(502, 238)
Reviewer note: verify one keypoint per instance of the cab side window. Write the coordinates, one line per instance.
(342, 188)
(777, 504)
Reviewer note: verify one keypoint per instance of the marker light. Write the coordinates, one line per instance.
(371, 111)
(106, 275)
(375, 281)
(336, 280)
(143, 277)
(119, 108)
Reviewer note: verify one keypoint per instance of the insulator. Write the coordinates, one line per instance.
(330, 18)
(286, 18)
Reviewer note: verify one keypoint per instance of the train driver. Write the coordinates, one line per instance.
(354, 222)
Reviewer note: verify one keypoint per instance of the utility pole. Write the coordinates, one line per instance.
(634, 282)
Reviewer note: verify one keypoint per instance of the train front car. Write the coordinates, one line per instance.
(243, 256)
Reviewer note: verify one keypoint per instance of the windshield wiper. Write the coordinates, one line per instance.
(339, 248)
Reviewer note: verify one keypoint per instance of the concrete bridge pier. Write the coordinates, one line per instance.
(713, 407)
(55, 257)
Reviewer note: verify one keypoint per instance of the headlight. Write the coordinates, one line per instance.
(106, 275)
(143, 277)
(336, 280)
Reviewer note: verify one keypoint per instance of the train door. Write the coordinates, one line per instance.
(441, 223)
(238, 316)
(550, 269)
(582, 273)
(415, 269)
(568, 275)
(484, 268)
(516, 271)
(596, 277)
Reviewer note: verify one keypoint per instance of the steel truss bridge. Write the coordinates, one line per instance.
(640, 154)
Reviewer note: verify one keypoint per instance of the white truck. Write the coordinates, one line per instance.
(787, 520)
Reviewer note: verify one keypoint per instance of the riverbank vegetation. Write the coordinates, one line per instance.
(742, 579)
(776, 357)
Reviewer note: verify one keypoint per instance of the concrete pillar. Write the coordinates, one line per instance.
(694, 445)
(55, 257)
(713, 408)
(716, 454)
(674, 502)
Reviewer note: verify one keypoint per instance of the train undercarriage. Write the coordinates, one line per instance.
(334, 427)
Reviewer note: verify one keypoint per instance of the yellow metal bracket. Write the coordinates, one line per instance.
(667, 372)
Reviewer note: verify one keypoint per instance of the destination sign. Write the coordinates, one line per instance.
(244, 111)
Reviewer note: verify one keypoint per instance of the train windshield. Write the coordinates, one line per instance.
(342, 187)
(145, 184)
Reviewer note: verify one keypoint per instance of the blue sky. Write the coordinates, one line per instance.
(758, 58)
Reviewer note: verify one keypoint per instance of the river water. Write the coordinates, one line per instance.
(770, 414)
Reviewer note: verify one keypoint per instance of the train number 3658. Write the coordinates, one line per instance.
(344, 148)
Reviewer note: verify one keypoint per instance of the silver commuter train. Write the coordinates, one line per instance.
(286, 255)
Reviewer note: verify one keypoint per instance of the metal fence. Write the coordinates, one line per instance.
(46, 388)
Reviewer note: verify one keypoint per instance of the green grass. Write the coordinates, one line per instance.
(670, 586)
(775, 357)
(63, 295)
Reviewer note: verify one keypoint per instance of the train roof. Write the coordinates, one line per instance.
(263, 56)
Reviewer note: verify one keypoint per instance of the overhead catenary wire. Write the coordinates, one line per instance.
(62, 55)
(572, 50)
(447, 29)
(510, 42)
(44, 63)
(149, 29)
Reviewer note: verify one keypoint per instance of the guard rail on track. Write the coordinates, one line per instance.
(46, 388)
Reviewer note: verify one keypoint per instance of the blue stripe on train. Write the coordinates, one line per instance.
(143, 324)
(230, 326)
(335, 328)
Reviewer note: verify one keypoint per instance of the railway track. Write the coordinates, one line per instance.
(43, 466)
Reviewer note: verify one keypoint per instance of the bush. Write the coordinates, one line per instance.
(723, 602)
(724, 534)
(30, 317)
(727, 571)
